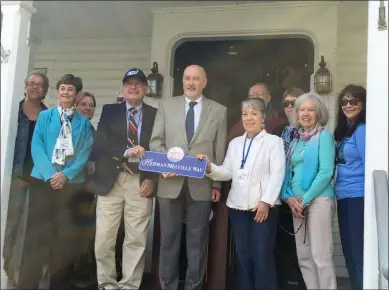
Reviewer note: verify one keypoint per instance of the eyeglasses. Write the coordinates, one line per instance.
(34, 84)
(288, 103)
(353, 102)
(257, 94)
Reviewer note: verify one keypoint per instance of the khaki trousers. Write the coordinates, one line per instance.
(315, 255)
(124, 198)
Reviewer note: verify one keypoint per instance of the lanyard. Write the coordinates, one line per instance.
(244, 157)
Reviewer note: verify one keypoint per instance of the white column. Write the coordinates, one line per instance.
(15, 38)
(376, 135)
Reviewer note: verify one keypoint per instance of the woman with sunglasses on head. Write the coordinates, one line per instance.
(350, 178)
(309, 192)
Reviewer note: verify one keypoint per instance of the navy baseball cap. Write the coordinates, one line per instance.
(135, 73)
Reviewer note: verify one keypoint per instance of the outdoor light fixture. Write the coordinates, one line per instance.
(323, 79)
(231, 50)
(155, 81)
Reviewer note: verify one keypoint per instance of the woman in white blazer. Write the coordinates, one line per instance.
(256, 164)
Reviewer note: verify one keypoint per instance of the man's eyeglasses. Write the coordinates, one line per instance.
(34, 84)
(257, 94)
(288, 103)
(353, 102)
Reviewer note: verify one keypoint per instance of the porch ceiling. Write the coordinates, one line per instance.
(102, 19)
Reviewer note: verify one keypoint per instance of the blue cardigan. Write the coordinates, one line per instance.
(47, 129)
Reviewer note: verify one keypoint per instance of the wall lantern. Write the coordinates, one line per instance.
(323, 79)
(155, 81)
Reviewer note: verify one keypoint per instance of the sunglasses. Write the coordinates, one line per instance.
(286, 103)
(353, 102)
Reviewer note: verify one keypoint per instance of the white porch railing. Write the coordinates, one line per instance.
(375, 229)
(380, 181)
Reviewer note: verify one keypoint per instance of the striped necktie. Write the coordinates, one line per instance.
(132, 133)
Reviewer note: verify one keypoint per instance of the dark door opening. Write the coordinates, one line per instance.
(232, 66)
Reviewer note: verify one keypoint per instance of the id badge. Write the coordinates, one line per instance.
(243, 176)
(64, 144)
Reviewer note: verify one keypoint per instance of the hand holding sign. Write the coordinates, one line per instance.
(205, 157)
(135, 152)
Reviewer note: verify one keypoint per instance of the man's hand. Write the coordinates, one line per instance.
(168, 175)
(58, 180)
(216, 194)
(296, 206)
(205, 157)
(262, 209)
(146, 188)
(135, 152)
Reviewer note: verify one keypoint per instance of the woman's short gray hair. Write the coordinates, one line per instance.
(256, 104)
(43, 76)
(321, 107)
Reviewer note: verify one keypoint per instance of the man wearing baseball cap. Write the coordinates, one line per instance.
(122, 136)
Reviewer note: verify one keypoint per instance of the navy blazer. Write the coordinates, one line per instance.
(111, 144)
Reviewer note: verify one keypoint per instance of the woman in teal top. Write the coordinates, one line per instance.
(309, 193)
(60, 148)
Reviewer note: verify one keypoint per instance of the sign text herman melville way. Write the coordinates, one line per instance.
(168, 163)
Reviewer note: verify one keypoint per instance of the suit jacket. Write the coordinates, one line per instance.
(45, 136)
(209, 138)
(111, 143)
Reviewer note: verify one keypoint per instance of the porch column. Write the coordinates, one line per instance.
(15, 38)
(376, 135)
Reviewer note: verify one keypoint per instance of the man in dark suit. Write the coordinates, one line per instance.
(122, 136)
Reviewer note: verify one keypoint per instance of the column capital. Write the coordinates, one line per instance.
(25, 4)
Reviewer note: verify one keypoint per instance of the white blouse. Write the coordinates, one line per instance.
(262, 175)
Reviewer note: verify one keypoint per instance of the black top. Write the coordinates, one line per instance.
(28, 163)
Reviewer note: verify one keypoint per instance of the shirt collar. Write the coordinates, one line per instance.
(138, 107)
(198, 101)
(259, 136)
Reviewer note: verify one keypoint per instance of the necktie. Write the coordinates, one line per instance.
(189, 122)
(132, 133)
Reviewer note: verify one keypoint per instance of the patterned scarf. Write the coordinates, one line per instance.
(64, 145)
(304, 136)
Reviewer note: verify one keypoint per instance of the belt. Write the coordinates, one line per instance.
(133, 166)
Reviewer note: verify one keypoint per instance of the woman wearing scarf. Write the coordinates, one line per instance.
(255, 162)
(60, 149)
(309, 193)
(350, 137)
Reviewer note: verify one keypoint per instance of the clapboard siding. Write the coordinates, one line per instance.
(352, 43)
(100, 63)
(351, 67)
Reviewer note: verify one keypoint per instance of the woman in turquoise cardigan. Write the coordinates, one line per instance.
(309, 193)
(60, 149)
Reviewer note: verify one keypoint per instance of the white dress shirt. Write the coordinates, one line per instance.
(196, 109)
(263, 173)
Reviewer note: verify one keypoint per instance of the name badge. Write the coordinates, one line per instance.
(243, 176)
(64, 144)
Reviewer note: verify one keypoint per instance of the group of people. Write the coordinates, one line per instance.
(272, 159)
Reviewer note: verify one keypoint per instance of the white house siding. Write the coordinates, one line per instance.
(351, 69)
(100, 63)
(352, 44)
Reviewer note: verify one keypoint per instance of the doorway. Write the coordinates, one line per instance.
(232, 66)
